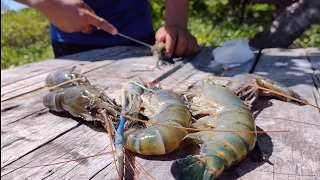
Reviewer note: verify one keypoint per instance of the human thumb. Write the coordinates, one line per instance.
(161, 35)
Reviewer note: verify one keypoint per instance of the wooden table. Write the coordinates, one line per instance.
(32, 137)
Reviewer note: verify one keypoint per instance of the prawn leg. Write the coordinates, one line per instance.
(130, 104)
(250, 86)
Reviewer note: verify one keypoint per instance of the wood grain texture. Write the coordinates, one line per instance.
(191, 76)
(295, 154)
(35, 83)
(314, 58)
(19, 73)
(22, 137)
(77, 144)
(54, 139)
(33, 94)
(193, 72)
(29, 116)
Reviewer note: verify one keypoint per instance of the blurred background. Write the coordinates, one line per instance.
(25, 32)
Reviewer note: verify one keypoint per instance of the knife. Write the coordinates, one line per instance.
(137, 41)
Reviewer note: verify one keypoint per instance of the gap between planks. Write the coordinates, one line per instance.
(19, 88)
(170, 68)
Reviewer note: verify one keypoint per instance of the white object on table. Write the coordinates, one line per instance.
(231, 54)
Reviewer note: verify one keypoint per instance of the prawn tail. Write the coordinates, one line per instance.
(202, 161)
(209, 155)
(198, 167)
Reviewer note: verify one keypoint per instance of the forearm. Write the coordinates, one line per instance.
(177, 13)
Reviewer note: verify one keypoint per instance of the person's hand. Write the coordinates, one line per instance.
(72, 16)
(179, 42)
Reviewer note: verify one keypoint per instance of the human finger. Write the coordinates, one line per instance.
(171, 38)
(182, 46)
(99, 22)
(87, 29)
(196, 46)
(192, 48)
(189, 50)
(161, 35)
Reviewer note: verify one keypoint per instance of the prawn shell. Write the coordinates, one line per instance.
(76, 98)
(167, 109)
(53, 101)
(232, 138)
(61, 76)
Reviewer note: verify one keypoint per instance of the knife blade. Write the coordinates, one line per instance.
(136, 40)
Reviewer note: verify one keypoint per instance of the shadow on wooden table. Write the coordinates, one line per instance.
(250, 163)
(94, 125)
(112, 53)
(253, 160)
(282, 65)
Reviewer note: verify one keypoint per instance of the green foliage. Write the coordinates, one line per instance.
(213, 24)
(310, 38)
(24, 38)
(25, 34)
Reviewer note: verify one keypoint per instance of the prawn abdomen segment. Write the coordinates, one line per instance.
(52, 101)
(215, 155)
(153, 140)
(171, 117)
(61, 76)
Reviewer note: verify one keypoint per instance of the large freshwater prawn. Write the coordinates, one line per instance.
(210, 153)
(223, 111)
(65, 78)
(72, 92)
(226, 111)
(162, 107)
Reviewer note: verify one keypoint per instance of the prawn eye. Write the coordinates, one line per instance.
(88, 108)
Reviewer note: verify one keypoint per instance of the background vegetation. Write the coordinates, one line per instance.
(25, 33)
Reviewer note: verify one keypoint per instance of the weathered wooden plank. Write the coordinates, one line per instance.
(37, 82)
(83, 141)
(314, 57)
(294, 154)
(101, 75)
(13, 75)
(128, 66)
(305, 115)
(198, 69)
(247, 169)
(193, 72)
(113, 75)
(289, 152)
(293, 69)
(22, 103)
(22, 109)
(22, 137)
(24, 112)
(9, 76)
